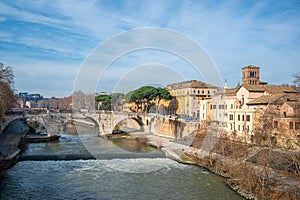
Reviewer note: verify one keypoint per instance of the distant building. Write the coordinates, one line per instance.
(30, 97)
(189, 94)
(31, 104)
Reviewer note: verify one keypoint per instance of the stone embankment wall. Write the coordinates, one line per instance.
(174, 128)
(12, 143)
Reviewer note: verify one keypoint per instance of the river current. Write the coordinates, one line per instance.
(67, 169)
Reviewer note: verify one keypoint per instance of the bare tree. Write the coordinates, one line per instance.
(81, 100)
(296, 80)
(7, 99)
(6, 74)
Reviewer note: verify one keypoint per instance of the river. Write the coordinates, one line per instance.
(124, 169)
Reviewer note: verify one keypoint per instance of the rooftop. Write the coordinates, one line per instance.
(251, 66)
(190, 84)
(265, 99)
(270, 89)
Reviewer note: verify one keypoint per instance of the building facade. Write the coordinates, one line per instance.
(189, 94)
(255, 108)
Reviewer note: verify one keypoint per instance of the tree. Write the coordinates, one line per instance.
(296, 80)
(6, 74)
(104, 102)
(116, 101)
(81, 100)
(144, 95)
(7, 98)
(163, 94)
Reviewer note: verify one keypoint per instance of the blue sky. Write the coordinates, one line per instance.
(46, 42)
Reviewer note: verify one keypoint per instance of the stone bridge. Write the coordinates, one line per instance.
(167, 126)
(107, 121)
(52, 122)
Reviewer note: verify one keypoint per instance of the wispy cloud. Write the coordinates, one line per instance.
(60, 35)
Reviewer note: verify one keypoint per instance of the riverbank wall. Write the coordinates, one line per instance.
(249, 179)
(12, 143)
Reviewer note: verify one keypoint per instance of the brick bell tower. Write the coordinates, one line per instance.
(250, 75)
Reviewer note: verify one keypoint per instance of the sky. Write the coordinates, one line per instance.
(48, 43)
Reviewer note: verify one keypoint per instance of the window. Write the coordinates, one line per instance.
(203, 107)
(220, 106)
(198, 91)
(248, 118)
(194, 91)
(239, 118)
(202, 91)
(231, 106)
(243, 117)
(297, 125)
(291, 125)
(275, 124)
(215, 106)
(231, 117)
(211, 107)
(230, 126)
(239, 127)
(207, 91)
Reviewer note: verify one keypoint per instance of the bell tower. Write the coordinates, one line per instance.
(250, 75)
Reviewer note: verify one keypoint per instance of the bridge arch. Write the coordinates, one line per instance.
(129, 124)
(96, 122)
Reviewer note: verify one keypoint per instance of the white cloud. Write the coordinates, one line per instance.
(234, 34)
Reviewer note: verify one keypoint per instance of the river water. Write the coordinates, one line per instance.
(124, 169)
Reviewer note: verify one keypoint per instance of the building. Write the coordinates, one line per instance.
(30, 97)
(189, 94)
(290, 118)
(248, 94)
(251, 76)
(31, 104)
(251, 107)
(220, 104)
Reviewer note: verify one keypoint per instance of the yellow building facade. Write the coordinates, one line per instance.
(189, 95)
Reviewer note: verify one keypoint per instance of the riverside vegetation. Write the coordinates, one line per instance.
(254, 171)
